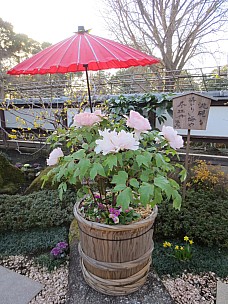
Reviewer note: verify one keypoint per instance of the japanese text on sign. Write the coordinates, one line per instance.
(191, 112)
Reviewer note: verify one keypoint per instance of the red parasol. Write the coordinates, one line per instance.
(82, 52)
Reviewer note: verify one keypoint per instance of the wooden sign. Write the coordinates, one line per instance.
(190, 112)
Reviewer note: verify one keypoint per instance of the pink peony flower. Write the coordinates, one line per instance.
(138, 122)
(113, 142)
(87, 119)
(171, 136)
(54, 156)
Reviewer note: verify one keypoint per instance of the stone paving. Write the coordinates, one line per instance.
(16, 288)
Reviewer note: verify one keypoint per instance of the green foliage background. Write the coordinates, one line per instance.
(203, 217)
(40, 209)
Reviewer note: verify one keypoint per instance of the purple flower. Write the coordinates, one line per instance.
(56, 251)
(97, 196)
(114, 218)
(101, 206)
(117, 212)
(111, 210)
(62, 245)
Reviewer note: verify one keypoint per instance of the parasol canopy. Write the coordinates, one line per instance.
(82, 52)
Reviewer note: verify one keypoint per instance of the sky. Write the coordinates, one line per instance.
(56, 20)
(52, 20)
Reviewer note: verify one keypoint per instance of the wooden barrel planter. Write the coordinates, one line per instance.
(116, 259)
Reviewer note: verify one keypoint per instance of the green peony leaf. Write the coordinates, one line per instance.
(111, 161)
(120, 178)
(119, 159)
(145, 175)
(119, 187)
(85, 146)
(83, 166)
(161, 182)
(146, 191)
(79, 154)
(134, 183)
(157, 196)
(62, 188)
(97, 169)
(160, 162)
(124, 198)
(173, 183)
(176, 200)
(143, 160)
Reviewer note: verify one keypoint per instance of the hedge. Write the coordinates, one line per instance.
(37, 210)
(203, 217)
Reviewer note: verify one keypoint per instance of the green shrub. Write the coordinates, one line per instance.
(37, 210)
(203, 217)
(35, 241)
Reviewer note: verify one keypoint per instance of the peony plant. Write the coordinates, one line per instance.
(120, 166)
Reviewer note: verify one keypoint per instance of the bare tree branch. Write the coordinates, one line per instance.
(174, 30)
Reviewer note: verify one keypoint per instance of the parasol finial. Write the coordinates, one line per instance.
(81, 29)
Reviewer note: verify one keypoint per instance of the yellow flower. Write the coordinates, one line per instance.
(181, 248)
(176, 247)
(12, 136)
(14, 131)
(191, 242)
(186, 238)
(167, 244)
(28, 129)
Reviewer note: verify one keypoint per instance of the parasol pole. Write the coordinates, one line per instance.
(87, 80)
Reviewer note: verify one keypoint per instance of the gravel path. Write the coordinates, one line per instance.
(192, 289)
(187, 289)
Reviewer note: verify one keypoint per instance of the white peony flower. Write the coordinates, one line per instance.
(113, 142)
(54, 157)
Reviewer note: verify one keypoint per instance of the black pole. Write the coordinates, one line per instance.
(87, 79)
